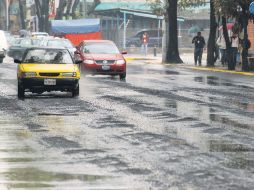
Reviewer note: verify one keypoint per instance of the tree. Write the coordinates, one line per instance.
(172, 54)
(74, 7)
(22, 14)
(237, 9)
(211, 45)
(60, 9)
(42, 12)
(91, 9)
(68, 9)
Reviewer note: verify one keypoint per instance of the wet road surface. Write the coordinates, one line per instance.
(163, 128)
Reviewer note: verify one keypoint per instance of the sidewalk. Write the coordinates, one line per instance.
(188, 63)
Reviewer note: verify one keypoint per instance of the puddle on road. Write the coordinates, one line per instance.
(60, 142)
(160, 71)
(209, 115)
(18, 150)
(35, 174)
(216, 81)
(193, 111)
(232, 122)
(206, 143)
(58, 114)
(18, 160)
(227, 146)
(211, 80)
(36, 178)
(244, 105)
(243, 161)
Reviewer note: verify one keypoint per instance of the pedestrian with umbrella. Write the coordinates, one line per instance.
(199, 43)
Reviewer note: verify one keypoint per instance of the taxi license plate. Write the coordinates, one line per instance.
(49, 82)
(105, 67)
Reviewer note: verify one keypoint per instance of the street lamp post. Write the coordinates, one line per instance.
(7, 14)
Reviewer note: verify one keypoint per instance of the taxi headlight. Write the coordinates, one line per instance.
(29, 74)
(89, 61)
(74, 74)
(120, 62)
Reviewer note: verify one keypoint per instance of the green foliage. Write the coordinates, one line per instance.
(190, 3)
(159, 6)
(228, 8)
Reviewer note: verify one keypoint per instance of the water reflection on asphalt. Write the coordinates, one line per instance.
(164, 127)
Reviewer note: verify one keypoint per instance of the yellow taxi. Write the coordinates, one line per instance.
(47, 69)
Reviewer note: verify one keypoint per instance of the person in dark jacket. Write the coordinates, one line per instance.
(199, 43)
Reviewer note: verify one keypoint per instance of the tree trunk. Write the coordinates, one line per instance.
(68, 10)
(211, 46)
(39, 14)
(229, 57)
(91, 9)
(172, 54)
(42, 12)
(22, 14)
(244, 55)
(46, 15)
(60, 9)
(74, 7)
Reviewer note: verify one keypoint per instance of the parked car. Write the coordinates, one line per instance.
(102, 57)
(59, 42)
(155, 38)
(47, 69)
(3, 45)
(20, 45)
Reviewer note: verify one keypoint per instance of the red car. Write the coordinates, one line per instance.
(101, 57)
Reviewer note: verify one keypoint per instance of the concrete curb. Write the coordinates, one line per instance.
(151, 61)
(138, 59)
(220, 70)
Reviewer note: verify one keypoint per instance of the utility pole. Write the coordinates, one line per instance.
(7, 14)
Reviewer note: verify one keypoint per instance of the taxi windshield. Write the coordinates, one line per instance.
(48, 56)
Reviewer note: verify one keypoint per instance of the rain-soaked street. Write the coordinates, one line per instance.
(165, 127)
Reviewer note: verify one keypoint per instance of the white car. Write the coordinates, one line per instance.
(3, 45)
(59, 42)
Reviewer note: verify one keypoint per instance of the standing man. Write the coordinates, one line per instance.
(144, 42)
(199, 43)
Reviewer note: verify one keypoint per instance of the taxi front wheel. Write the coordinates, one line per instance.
(21, 91)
